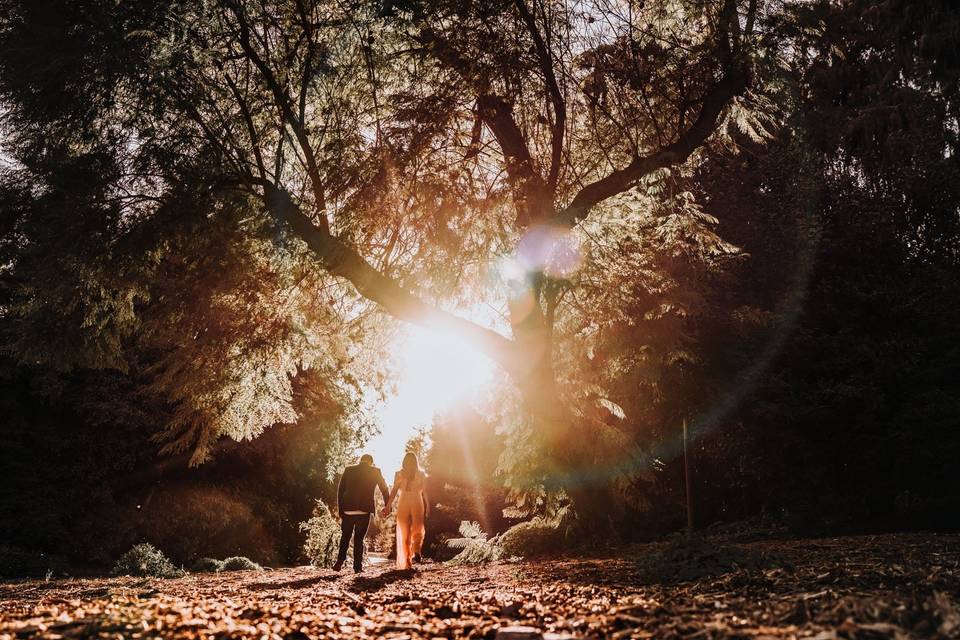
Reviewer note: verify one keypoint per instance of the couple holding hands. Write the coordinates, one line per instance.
(355, 504)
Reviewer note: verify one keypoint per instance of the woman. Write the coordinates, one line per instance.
(412, 508)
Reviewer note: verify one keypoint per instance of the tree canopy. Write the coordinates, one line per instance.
(632, 207)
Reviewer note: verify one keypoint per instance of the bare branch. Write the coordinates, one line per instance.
(251, 129)
(751, 17)
(558, 126)
(714, 102)
(282, 100)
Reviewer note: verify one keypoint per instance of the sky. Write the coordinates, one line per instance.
(435, 370)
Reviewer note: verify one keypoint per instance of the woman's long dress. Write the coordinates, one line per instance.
(410, 527)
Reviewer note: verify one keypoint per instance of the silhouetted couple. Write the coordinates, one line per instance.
(355, 504)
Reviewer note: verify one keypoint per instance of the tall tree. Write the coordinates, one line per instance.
(396, 146)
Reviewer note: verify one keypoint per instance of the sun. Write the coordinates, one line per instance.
(434, 371)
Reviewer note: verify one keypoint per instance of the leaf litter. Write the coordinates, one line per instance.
(867, 587)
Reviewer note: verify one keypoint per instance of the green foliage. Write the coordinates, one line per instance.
(207, 565)
(790, 290)
(182, 275)
(385, 539)
(146, 560)
(323, 536)
(535, 537)
(239, 563)
(462, 480)
(233, 563)
(190, 521)
(474, 545)
(540, 536)
(76, 484)
(418, 443)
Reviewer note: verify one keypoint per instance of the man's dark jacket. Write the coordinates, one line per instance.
(357, 484)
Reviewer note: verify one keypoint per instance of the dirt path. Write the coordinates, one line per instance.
(860, 587)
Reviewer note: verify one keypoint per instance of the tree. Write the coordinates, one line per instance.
(384, 140)
(667, 204)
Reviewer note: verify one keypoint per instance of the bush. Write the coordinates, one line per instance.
(323, 536)
(385, 536)
(240, 563)
(146, 560)
(475, 547)
(207, 565)
(191, 522)
(539, 536)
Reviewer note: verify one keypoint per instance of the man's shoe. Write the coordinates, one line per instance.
(338, 565)
(358, 569)
(417, 558)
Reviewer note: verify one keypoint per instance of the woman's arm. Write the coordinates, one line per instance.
(393, 494)
(426, 503)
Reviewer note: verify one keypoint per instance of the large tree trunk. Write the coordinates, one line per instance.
(571, 464)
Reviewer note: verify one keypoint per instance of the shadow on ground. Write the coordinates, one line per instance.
(293, 584)
(371, 584)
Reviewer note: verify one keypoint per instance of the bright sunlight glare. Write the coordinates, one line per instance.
(435, 371)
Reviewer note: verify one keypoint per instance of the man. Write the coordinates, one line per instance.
(355, 504)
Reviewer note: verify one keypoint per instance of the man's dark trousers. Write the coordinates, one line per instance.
(355, 503)
(355, 525)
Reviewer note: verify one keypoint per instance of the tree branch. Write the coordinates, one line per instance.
(286, 111)
(251, 129)
(533, 198)
(731, 84)
(342, 260)
(751, 16)
(558, 126)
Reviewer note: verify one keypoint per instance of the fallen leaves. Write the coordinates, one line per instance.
(862, 588)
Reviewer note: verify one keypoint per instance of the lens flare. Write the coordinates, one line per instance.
(551, 249)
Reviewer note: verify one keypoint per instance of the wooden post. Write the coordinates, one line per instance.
(686, 475)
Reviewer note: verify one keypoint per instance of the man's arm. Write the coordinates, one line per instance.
(341, 488)
(384, 491)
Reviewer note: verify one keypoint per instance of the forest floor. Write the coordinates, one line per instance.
(891, 586)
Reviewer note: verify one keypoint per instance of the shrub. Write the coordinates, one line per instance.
(539, 536)
(146, 560)
(190, 522)
(475, 547)
(207, 565)
(385, 536)
(240, 563)
(532, 538)
(323, 536)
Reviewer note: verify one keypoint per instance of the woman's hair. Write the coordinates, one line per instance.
(410, 466)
